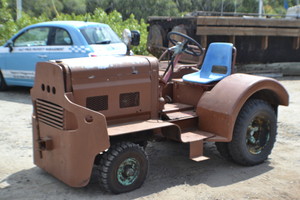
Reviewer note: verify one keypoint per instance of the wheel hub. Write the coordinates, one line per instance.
(128, 171)
(258, 134)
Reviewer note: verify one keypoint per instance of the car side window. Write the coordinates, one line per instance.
(62, 37)
(33, 37)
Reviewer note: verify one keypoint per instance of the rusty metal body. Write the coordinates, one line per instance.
(82, 105)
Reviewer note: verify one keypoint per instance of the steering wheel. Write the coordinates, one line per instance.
(187, 45)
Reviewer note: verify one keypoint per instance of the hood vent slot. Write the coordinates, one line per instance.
(50, 114)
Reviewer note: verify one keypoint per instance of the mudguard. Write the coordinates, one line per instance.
(218, 109)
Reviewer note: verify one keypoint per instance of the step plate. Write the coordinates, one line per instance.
(195, 135)
(200, 158)
(173, 107)
(188, 114)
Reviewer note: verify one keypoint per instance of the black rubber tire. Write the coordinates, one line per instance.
(112, 163)
(222, 148)
(254, 133)
(3, 85)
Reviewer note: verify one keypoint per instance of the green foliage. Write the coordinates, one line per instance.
(11, 27)
(5, 15)
(74, 6)
(248, 6)
(142, 9)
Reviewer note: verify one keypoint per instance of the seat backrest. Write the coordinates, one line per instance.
(219, 56)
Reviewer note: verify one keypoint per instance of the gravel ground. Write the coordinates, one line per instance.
(171, 175)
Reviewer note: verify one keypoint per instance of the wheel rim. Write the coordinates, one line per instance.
(258, 135)
(128, 171)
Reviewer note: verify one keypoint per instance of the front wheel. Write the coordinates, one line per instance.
(123, 168)
(254, 133)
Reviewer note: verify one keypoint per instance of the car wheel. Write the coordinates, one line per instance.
(3, 85)
(254, 133)
(123, 168)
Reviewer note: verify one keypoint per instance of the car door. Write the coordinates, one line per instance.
(61, 45)
(34, 45)
(27, 49)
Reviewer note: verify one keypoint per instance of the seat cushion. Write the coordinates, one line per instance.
(195, 78)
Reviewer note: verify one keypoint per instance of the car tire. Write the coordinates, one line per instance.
(3, 85)
(123, 168)
(254, 133)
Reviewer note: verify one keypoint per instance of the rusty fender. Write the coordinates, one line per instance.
(65, 148)
(219, 108)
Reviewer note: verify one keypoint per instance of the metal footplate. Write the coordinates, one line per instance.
(196, 139)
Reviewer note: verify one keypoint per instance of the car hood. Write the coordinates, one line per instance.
(109, 49)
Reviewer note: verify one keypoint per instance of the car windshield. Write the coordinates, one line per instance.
(100, 35)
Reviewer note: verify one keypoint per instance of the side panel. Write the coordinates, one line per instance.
(219, 108)
(66, 136)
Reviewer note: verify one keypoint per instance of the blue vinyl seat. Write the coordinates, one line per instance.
(217, 64)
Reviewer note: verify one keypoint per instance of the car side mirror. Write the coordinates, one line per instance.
(135, 38)
(126, 37)
(131, 37)
(10, 46)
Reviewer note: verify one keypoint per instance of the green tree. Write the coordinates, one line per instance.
(140, 8)
(248, 6)
(92, 5)
(5, 12)
(38, 7)
(74, 6)
(184, 5)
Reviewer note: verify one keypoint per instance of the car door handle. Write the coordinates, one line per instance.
(42, 56)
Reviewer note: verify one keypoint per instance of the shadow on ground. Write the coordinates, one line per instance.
(169, 167)
(16, 94)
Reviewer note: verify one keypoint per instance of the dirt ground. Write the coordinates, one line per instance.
(171, 174)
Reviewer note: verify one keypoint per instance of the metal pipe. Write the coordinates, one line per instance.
(19, 9)
(260, 8)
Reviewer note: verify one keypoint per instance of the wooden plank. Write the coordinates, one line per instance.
(240, 21)
(296, 43)
(249, 31)
(286, 68)
(204, 41)
(264, 42)
(232, 39)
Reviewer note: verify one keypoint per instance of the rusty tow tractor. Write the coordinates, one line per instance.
(100, 112)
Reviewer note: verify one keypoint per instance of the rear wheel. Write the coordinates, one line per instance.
(254, 133)
(123, 168)
(3, 85)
